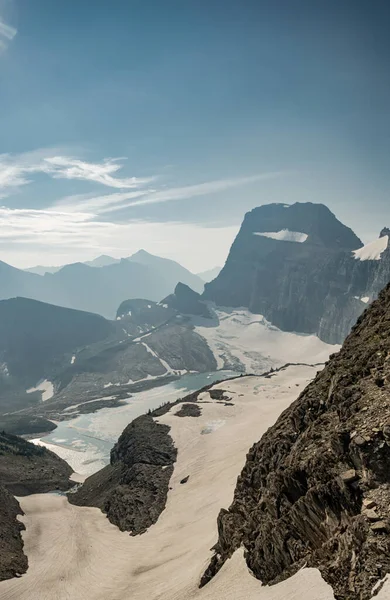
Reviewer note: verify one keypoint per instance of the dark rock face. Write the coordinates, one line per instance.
(133, 489)
(24, 469)
(189, 410)
(29, 469)
(187, 302)
(315, 286)
(12, 559)
(315, 490)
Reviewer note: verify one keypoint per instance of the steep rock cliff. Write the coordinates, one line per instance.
(315, 490)
(296, 265)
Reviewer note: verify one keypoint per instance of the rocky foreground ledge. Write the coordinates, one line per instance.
(24, 469)
(315, 491)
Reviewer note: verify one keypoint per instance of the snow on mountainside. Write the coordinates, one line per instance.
(314, 286)
(373, 250)
(284, 235)
(247, 342)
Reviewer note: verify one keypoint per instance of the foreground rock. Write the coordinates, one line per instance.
(29, 469)
(133, 488)
(12, 559)
(24, 469)
(315, 490)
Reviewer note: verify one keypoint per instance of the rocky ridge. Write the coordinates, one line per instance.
(315, 490)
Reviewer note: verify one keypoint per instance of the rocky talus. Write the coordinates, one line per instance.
(315, 490)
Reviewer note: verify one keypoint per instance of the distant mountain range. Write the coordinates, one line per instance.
(302, 269)
(100, 285)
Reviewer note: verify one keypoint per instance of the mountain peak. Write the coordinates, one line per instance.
(385, 231)
(141, 253)
(316, 221)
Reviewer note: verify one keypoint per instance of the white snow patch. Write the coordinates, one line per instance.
(46, 387)
(257, 344)
(285, 235)
(149, 306)
(372, 251)
(129, 313)
(118, 318)
(163, 362)
(213, 426)
(365, 299)
(72, 360)
(82, 460)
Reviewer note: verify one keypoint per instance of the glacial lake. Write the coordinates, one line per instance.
(85, 442)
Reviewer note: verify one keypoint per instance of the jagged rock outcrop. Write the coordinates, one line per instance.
(187, 302)
(296, 266)
(315, 490)
(13, 561)
(132, 489)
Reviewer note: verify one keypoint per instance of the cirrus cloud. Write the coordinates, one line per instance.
(7, 34)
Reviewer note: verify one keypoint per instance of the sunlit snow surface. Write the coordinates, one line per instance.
(46, 387)
(248, 342)
(285, 235)
(85, 442)
(372, 251)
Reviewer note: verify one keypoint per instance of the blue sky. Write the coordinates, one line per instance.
(159, 123)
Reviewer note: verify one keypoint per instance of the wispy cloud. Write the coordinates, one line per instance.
(65, 167)
(81, 225)
(28, 237)
(7, 34)
(18, 170)
(119, 201)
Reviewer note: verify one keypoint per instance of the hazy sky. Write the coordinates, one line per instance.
(159, 123)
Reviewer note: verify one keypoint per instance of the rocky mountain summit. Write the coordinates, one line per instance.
(187, 302)
(315, 490)
(302, 269)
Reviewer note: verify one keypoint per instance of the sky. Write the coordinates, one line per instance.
(158, 124)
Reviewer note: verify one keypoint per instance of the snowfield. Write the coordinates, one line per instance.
(76, 553)
(284, 235)
(374, 250)
(249, 343)
(46, 387)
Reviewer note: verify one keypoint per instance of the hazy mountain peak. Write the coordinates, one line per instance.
(385, 231)
(315, 220)
(210, 274)
(101, 261)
